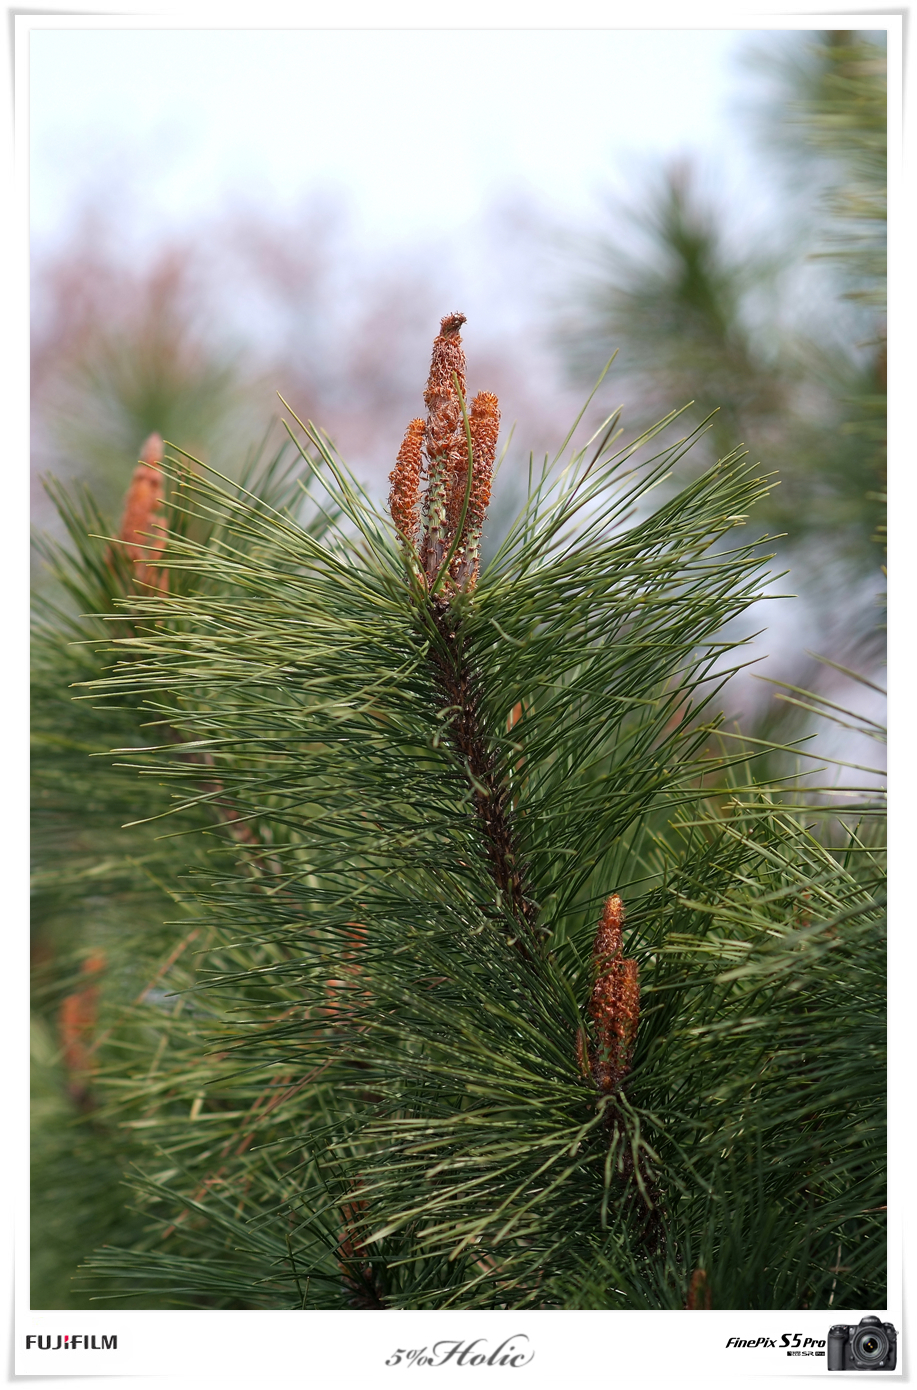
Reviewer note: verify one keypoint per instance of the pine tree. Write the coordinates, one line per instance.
(492, 978)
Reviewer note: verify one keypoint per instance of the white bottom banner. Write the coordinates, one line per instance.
(532, 1348)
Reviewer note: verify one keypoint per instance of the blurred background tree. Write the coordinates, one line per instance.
(786, 341)
(120, 350)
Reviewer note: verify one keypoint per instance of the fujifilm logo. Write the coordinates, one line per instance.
(71, 1343)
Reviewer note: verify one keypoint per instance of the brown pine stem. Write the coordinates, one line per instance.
(490, 794)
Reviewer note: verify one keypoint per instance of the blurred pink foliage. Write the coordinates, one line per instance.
(194, 335)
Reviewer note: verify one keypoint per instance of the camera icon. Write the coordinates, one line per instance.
(870, 1346)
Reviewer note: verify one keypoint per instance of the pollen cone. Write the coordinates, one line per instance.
(614, 1005)
(404, 495)
(444, 440)
(484, 423)
(142, 514)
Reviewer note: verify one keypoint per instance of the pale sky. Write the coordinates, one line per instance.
(421, 129)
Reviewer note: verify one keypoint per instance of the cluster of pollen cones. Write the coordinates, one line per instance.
(614, 1006)
(435, 452)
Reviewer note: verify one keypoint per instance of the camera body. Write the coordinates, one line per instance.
(870, 1346)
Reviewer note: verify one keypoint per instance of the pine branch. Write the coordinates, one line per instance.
(408, 1071)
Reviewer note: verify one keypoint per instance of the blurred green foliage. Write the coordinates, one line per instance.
(120, 351)
(786, 344)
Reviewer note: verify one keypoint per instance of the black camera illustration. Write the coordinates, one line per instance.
(870, 1346)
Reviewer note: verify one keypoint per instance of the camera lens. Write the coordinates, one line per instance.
(870, 1345)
